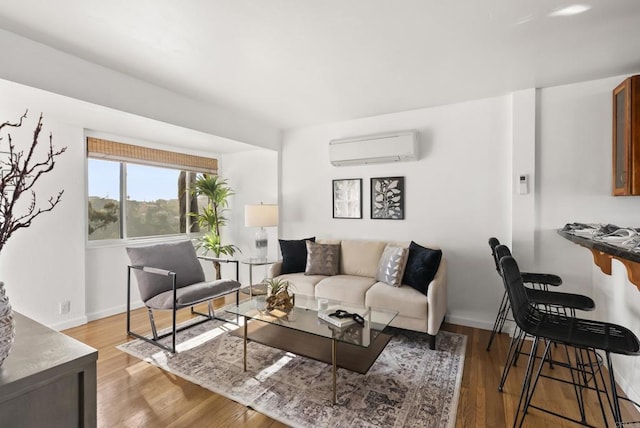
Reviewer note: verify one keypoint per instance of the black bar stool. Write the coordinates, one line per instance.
(547, 301)
(585, 336)
(537, 281)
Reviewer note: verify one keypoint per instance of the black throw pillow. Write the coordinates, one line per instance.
(294, 255)
(422, 266)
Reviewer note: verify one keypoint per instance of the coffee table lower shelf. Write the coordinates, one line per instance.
(331, 351)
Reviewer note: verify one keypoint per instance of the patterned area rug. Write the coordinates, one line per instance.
(409, 385)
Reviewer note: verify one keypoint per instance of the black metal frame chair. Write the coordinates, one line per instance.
(585, 336)
(170, 277)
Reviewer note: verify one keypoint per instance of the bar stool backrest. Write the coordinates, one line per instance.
(493, 243)
(524, 313)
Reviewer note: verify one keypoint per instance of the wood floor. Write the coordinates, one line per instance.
(132, 393)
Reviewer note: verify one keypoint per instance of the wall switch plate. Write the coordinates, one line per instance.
(64, 307)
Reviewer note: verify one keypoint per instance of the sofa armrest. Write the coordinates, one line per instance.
(437, 299)
(274, 270)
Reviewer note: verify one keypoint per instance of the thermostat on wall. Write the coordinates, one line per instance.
(524, 184)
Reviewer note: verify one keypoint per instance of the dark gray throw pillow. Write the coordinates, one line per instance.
(294, 255)
(422, 266)
(322, 259)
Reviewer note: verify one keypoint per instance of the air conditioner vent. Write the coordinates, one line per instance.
(370, 149)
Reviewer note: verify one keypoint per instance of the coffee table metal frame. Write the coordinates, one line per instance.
(303, 317)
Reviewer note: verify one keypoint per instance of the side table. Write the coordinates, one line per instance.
(255, 289)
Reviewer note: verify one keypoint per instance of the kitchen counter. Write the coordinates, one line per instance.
(603, 252)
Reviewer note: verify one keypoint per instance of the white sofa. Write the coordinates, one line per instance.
(356, 283)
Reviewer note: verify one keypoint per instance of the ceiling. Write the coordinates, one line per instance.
(296, 63)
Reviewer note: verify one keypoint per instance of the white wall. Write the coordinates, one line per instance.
(574, 169)
(523, 151)
(458, 193)
(254, 178)
(51, 261)
(44, 264)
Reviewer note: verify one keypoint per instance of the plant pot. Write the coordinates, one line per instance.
(7, 325)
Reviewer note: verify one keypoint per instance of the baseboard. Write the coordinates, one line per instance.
(115, 310)
(74, 322)
(468, 322)
(633, 394)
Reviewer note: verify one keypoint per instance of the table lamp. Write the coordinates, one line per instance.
(263, 215)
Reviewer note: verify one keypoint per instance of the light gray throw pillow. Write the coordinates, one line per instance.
(392, 264)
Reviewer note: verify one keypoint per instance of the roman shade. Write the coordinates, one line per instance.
(112, 150)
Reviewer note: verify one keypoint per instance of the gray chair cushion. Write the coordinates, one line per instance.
(179, 257)
(192, 294)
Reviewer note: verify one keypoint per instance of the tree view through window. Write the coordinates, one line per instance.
(156, 204)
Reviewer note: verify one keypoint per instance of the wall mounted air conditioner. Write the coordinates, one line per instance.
(379, 148)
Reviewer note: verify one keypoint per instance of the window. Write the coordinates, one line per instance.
(104, 199)
(158, 197)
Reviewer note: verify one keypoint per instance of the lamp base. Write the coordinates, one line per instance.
(261, 244)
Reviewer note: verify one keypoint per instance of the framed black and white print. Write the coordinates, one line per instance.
(387, 198)
(347, 198)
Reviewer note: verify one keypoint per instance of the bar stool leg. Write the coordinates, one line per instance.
(617, 414)
(514, 346)
(532, 388)
(594, 363)
(526, 384)
(579, 379)
(500, 319)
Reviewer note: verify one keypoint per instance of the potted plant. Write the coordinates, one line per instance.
(278, 294)
(20, 169)
(212, 217)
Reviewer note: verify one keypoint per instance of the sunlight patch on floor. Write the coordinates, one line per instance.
(267, 372)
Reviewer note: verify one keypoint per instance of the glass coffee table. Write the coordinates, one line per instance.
(304, 318)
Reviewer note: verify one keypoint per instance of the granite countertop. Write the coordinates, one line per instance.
(620, 242)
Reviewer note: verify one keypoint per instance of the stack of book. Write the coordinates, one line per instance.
(338, 322)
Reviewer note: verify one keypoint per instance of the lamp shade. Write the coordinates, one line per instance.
(263, 215)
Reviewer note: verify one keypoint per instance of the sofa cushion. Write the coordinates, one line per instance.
(194, 293)
(422, 267)
(322, 259)
(301, 283)
(294, 254)
(391, 265)
(346, 288)
(409, 301)
(360, 257)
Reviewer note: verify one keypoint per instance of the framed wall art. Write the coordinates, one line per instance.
(347, 198)
(387, 198)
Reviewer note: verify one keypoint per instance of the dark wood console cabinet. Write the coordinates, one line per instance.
(48, 380)
(626, 137)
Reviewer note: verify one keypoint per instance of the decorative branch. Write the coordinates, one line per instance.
(18, 174)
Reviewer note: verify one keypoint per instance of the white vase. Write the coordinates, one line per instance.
(7, 325)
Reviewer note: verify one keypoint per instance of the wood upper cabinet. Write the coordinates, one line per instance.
(626, 137)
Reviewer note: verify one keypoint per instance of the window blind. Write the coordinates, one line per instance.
(113, 150)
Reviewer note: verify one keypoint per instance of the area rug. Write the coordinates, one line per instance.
(408, 385)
